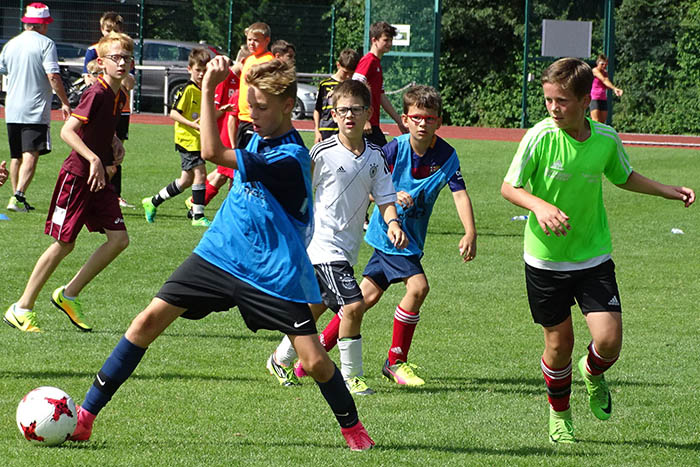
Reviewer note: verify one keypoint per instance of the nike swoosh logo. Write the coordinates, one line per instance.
(342, 414)
(608, 409)
(99, 380)
(298, 325)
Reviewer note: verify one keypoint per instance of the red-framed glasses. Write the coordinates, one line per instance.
(429, 119)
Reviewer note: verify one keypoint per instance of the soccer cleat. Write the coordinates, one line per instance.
(83, 430)
(188, 205)
(201, 222)
(357, 437)
(402, 373)
(598, 393)
(284, 374)
(125, 204)
(149, 210)
(25, 321)
(561, 428)
(358, 386)
(72, 308)
(15, 205)
(299, 370)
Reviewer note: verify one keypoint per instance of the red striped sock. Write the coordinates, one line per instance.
(404, 326)
(210, 192)
(329, 336)
(595, 364)
(558, 383)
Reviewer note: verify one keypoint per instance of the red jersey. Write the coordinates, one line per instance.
(227, 93)
(369, 71)
(99, 111)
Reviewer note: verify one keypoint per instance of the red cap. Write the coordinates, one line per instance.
(37, 13)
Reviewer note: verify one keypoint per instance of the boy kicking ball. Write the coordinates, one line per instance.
(253, 255)
(347, 170)
(564, 158)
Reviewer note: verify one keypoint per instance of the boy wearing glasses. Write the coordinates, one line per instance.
(422, 164)
(346, 171)
(186, 112)
(83, 196)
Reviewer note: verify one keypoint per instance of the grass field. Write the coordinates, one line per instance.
(202, 395)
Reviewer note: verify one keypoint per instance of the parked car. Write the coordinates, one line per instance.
(306, 101)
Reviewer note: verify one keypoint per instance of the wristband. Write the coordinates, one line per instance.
(395, 219)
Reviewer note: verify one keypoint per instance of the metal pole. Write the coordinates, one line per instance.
(524, 123)
(230, 27)
(436, 44)
(610, 52)
(139, 73)
(331, 58)
(368, 8)
(21, 13)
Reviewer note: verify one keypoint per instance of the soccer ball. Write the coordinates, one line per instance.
(46, 416)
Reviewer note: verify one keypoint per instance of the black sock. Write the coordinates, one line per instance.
(173, 189)
(338, 397)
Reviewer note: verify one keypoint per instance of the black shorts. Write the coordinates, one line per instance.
(189, 159)
(337, 283)
(202, 288)
(325, 134)
(552, 293)
(123, 127)
(385, 269)
(599, 104)
(376, 136)
(28, 137)
(244, 134)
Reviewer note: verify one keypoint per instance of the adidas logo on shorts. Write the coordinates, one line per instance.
(614, 301)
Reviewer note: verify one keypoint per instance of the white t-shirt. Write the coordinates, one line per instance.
(343, 183)
(27, 59)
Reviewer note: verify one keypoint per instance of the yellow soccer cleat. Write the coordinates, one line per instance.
(72, 308)
(24, 321)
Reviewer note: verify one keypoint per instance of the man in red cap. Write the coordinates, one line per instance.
(31, 64)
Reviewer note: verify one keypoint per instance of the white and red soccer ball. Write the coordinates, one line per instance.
(46, 416)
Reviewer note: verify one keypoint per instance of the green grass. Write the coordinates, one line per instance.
(202, 394)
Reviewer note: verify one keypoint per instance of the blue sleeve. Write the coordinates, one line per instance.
(456, 181)
(390, 150)
(280, 172)
(90, 55)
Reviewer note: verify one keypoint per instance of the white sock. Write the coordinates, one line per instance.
(285, 353)
(350, 357)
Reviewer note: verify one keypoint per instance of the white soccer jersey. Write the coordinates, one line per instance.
(342, 183)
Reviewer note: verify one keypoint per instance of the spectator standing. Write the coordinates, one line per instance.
(30, 62)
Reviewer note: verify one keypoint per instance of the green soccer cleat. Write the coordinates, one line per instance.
(598, 393)
(25, 321)
(358, 386)
(15, 205)
(284, 374)
(561, 428)
(72, 309)
(402, 373)
(201, 222)
(149, 210)
(188, 205)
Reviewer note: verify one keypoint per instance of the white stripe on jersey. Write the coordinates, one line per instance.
(343, 183)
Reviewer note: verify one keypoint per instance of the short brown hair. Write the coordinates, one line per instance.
(351, 88)
(198, 56)
(571, 74)
(261, 28)
(275, 77)
(281, 47)
(349, 58)
(125, 41)
(601, 58)
(112, 21)
(377, 30)
(424, 97)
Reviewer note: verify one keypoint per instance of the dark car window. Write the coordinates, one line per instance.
(184, 54)
(161, 52)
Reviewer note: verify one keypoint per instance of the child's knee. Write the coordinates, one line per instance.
(419, 291)
(319, 368)
(119, 242)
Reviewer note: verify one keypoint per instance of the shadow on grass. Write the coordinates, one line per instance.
(244, 336)
(43, 375)
(481, 233)
(646, 443)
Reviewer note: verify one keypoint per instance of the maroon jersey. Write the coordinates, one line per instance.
(99, 111)
(369, 71)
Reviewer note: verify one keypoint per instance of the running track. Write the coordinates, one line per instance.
(477, 133)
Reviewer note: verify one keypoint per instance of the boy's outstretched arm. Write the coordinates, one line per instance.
(394, 232)
(551, 218)
(96, 177)
(213, 149)
(386, 105)
(467, 244)
(641, 184)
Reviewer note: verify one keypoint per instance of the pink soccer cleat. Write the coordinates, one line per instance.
(299, 369)
(83, 429)
(357, 437)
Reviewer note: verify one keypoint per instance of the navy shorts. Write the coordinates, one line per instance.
(552, 293)
(202, 288)
(386, 269)
(337, 283)
(599, 104)
(376, 136)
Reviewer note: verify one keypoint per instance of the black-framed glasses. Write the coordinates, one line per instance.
(355, 109)
(116, 58)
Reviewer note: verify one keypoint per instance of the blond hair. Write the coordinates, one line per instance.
(260, 28)
(93, 67)
(570, 74)
(125, 41)
(275, 77)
